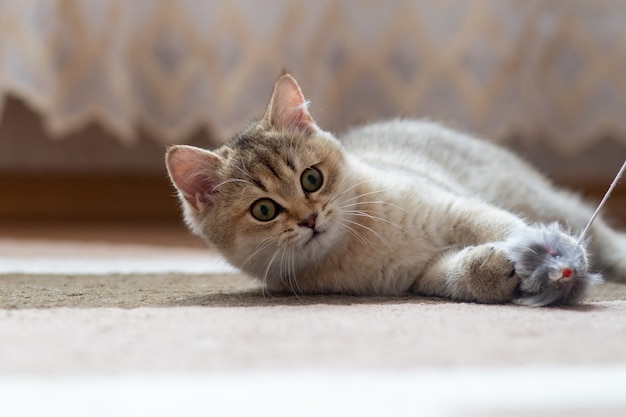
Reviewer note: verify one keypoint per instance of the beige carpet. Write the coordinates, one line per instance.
(94, 324)
(122, 339)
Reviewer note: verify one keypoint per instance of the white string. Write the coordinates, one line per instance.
(606, 197)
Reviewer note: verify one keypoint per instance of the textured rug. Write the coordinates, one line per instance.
(165, 340)
(27, 291)
(182, 322)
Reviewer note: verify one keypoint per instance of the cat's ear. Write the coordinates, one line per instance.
(288, 107)
(194, 172)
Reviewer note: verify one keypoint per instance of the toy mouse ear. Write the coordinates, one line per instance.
(194, 173)
(288, 107)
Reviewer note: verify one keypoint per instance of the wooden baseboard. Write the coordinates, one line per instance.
(141, 199)
(87, 198)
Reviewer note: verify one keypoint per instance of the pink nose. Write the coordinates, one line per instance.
(309, 221)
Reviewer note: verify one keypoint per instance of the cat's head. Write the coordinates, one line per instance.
(270, 199)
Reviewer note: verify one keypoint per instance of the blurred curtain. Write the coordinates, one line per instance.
(550, 69)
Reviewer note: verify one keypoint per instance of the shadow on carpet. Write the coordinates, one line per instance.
(171, 290)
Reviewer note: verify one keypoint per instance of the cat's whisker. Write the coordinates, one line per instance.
(298, 142)
(262, 245)
(331, 200)
(375, 202)
(345, 177)
(285, 270)
(245, 171)
(283, 276)
(295, 275)
(260, 249)
(369, 212)
(351, 230)
(362, 213)
(374, 232)
(370, 193)
(291, 274)
(266, 291)
(230, 181)
(269, 266)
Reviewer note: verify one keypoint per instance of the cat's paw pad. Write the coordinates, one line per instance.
(552, 268)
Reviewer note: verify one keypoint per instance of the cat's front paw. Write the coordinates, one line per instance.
(490, 275)
(552, 268)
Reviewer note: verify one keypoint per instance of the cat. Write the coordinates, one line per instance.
(390, 208)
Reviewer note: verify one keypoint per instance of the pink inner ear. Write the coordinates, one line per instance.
(289, 107)
(194, 173)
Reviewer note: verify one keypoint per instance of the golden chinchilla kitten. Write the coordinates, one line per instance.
(390, 208)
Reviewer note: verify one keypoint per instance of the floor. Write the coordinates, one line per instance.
(143, 320)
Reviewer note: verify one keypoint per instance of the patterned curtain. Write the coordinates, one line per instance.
(549, 69)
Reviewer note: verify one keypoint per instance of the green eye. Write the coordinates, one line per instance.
(311, 180)
(264, 210)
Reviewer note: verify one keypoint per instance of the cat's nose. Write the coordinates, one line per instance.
(309, 221)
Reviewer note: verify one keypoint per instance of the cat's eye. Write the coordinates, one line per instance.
(311, 180)
(264, 210)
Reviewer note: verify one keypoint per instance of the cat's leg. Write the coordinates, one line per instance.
(533, 265)
(480, 273)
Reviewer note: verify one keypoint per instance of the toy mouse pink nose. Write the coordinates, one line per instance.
(309, 221)
(566, 272)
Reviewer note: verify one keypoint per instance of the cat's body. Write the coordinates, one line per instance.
(390, 208)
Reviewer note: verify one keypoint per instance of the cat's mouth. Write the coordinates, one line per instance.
(314, 237)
